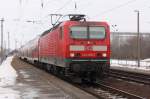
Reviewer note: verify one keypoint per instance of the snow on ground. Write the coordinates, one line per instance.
(146, 60)
(7, 78)
(6, 70)
(131, 64)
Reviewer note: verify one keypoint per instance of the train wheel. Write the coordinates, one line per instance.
(58, 70)
(52, 69)
(83, 76)
(100, 72)
(106, 74)
(92, 77)
(83, 80)
(47, 68)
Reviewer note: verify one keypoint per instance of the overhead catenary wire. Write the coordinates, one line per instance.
(48, 2)
(65, 5)
(115, 8)
(87, 3)
(62, 7)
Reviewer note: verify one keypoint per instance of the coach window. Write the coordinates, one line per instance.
(61, 33)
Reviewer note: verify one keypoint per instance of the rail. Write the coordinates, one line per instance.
(119, 92)
(130, 76)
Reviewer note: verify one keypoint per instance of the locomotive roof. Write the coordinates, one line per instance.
(69, 21)
(47, 31)
(72, 17)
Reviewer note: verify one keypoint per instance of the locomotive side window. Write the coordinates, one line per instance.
(79, 32)
(96, 32)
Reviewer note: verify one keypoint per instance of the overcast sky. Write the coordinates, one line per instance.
(119, 12)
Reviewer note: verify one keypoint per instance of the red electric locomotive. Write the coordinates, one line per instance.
(76, 48)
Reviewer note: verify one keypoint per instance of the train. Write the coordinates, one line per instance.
(74, 48)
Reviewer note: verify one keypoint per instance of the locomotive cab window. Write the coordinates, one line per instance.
(78, 32)
(96, 32)
(91, 32)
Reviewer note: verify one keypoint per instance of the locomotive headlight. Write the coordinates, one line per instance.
(72, 54)
(104, 55)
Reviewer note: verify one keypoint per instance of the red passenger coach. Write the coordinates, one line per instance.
(29, 51)
(76, 47)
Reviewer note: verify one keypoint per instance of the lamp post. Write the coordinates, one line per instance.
(115, 29)
(2, 23)
(138, 36)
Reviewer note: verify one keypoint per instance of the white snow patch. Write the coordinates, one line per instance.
(7, 93)
(7, 73)
(146, 60)
(131, 65)
(6, 70)
(25, 75)
(8, 80)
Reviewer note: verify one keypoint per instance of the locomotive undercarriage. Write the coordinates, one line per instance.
(80, 71)
(89, 71)
(77, 71)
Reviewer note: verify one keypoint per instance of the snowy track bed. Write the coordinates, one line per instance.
(131, 66)
(28, 82)
(130, 87)
(130, 76)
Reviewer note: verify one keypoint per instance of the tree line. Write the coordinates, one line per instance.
(125, 46)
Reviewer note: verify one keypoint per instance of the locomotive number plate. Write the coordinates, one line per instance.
(88, 54)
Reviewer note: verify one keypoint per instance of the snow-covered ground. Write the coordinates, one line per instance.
(6, 70)
(26, 85)
(131, 64)
(7, 78)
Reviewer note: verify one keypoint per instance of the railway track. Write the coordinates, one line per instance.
(130, 76)
(104, 91)
(119, 92)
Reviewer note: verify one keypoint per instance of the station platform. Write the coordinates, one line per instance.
(33, 83)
